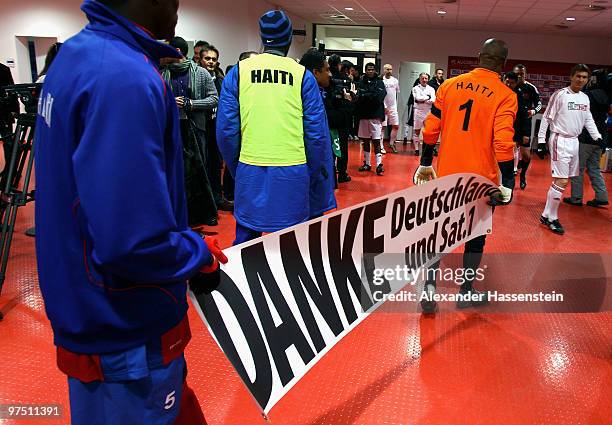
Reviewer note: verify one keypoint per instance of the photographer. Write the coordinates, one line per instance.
(338, 104)
(9, 106)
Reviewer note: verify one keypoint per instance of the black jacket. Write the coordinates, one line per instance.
(371, 98)
(7, 104)
(339, 110)
(599, 110)
(434, 83)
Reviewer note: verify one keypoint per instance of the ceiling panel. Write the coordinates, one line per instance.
(540, 16)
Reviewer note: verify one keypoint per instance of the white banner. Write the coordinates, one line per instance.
(287, 298)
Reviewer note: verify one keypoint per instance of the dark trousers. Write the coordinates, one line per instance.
(342, 162)
(472, 256)
(200, 203)
(214, 163)
(228, 185)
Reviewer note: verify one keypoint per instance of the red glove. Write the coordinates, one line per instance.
(209, 277)
(216, 253)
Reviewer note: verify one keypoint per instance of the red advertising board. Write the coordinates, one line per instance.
(546, 76)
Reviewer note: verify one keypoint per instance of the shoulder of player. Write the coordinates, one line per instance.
(531, 87)
(503, 90)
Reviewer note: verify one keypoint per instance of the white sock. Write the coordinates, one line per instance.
(393, 138)
(516, 158)
(366, 156)
(553, 201)
(378, 159)
(382, 143)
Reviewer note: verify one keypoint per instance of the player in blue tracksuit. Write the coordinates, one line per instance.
(113, 247)
(273, 137)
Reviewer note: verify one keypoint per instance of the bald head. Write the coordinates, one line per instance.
(493, 54)
(388, 70)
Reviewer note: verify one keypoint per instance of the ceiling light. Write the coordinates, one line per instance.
(569, 18)
(441, 12)
(348, 8)
(594, 8)
(358, 43)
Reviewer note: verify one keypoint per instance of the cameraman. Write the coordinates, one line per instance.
(338, 105)
(9, 107)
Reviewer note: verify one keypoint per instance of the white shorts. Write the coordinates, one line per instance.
(392, 118)
(370, 129)
(564, 158)
(419, 118)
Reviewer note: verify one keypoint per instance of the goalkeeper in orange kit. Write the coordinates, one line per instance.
(474, 114)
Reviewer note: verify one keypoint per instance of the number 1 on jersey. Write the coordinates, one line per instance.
(468, 107)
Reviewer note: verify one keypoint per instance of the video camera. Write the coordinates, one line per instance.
(338, 86)
(28, 94)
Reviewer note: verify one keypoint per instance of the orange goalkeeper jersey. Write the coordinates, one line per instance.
(475, 114)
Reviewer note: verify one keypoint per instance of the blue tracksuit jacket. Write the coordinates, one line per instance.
(268, 199)
(112, 241)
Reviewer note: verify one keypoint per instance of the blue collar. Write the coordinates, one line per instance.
(102, 18)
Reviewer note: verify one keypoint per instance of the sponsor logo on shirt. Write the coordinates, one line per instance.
(573, 106)
(45, 107)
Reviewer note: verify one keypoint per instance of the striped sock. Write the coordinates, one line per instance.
(553, 201)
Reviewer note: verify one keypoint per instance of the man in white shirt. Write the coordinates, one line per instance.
(391, 115)
(567, 113)
(424, 96)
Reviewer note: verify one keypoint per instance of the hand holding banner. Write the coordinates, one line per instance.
(287, 298)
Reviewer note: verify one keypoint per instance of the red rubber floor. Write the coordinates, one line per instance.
(455, 368)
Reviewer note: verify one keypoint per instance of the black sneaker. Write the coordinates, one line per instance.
(212, 222)
(523, 183)
(575, 203)
(429, 307)
(365, 167)
(416, 152)
(597, 204)
(380, 170)
(226, 205)
(344, 178)
(476, 299)
(556, 227)
(544, 220)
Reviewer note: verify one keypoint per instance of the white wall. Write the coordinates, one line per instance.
(232, 27)
(422, 45)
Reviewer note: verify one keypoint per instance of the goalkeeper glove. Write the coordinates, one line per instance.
(500, 196)
(424, 174)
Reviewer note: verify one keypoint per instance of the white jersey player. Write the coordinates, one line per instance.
(567, 113)
(424, 96)
(391, 114)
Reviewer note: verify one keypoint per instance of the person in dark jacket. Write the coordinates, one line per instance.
(339, 99)
(113, 246)
(196, 97)
(9, 108)
(371, 95)
(214, 162)
(591, 150)
(437, 80)
(322, 196)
